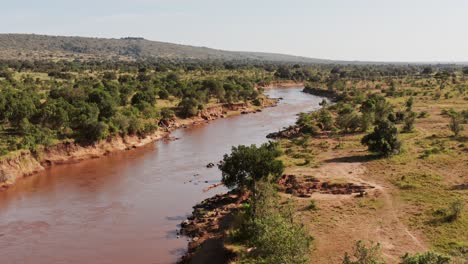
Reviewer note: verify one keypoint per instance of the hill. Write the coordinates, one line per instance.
(41, 47)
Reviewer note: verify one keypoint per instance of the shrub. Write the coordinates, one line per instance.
(425, 258)
(312, 205)
(409, 120)
(364, 255)
(455, 123)
(456, 209)
(189, 107)
(384, 139)
(163, 94)
(423, 114)
(167, 114)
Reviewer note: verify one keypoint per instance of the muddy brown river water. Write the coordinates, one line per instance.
(126, 207)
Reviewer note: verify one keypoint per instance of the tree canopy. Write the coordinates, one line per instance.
(248, 164)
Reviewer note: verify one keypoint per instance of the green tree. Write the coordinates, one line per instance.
(246, 165)
(55, 113)
(384, 139)
(95, 132)
(376, 108)
(163, 94)
(325, 119)
(409, 104)
(465, 70)
(19, 105)
(167, 114)
(427, 70)
(410, 118)
(306, 124)
(189, 107)
(347, 119)
(143, 97)
(104, 101)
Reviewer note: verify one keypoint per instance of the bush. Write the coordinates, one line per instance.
(312, 205)
(456, 209)
(410, 118)
(167, 114)
(384, 139)
(423, 114)
(188, 107)
(364, 255)
(163, 94)
(425, 258)
(455, 123)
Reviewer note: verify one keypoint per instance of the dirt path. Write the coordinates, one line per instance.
(343, 219)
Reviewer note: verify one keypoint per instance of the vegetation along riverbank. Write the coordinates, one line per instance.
(55, 113)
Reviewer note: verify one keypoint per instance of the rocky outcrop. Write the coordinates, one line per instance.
(208, 222)
(291, 184)
(289, 132)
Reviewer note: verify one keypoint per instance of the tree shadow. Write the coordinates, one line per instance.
(353, 159)
(460, 187)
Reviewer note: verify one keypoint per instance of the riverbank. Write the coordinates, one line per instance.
(207, 225)
(24, 163)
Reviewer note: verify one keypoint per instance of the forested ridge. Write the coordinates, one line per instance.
(42, 47)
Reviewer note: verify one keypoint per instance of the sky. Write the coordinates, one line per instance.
(365, 30)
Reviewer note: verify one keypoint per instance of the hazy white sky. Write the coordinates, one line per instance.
(385, 30)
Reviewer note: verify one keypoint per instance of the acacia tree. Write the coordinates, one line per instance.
(384, 139)
(247, 165)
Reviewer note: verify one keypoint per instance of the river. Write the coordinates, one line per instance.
(126, 207)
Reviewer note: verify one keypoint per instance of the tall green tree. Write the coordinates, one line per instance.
(246, 165)
(384, 139)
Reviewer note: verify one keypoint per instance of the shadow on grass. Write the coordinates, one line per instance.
(459, 138)
(356, 158)
(460, 187)
(439, 220)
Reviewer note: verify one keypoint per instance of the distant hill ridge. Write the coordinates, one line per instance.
(41, 47)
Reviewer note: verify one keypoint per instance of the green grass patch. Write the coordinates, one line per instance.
(433, 201)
